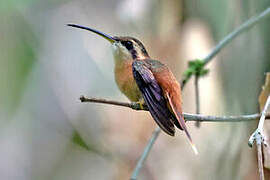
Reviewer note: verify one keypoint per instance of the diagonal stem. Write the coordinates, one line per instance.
(266, 107)
(258, 133)
(243, 27)
(145, 153)
(240, 29)
(259, 137)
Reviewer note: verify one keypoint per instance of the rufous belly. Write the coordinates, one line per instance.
(126, 82)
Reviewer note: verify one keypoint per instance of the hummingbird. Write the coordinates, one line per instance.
(146, 81)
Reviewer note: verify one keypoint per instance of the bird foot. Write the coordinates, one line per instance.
(142, 104)
(139, 105)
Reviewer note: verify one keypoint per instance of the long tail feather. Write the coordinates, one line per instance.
(181, 121)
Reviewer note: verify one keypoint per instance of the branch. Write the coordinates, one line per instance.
(245, 26)
(187, 116)
(258, 133)
(259, 138)
(260, 161)
(197, 96)
(132, 105)
(145, 153)
(242, 28)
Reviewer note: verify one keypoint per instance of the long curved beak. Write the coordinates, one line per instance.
(105, 36)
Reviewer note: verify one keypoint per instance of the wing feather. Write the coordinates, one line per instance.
(153, 96)
(181, 121)
(172, 93)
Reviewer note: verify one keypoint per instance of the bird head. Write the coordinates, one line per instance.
(124, 47)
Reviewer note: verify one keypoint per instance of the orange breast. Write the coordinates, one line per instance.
(126, 82)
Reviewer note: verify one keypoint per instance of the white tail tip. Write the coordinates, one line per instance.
(194, 149)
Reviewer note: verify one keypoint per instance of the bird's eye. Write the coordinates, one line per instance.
(128, 45)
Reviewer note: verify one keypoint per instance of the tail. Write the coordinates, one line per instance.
(182, 123)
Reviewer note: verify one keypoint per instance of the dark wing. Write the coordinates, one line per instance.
(153, 96)
(176, 122)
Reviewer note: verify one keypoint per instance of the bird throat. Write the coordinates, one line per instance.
(121, 55)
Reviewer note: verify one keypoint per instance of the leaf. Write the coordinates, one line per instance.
(195, 67)
(204, 72)
(94, 148)
(77, 139)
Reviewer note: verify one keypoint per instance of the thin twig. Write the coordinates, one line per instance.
(258, 133)
(145, 153)
(266, 107)
(197, 97)
(187, 116)
(245, 26)
(132, 105)
(260, 161)
(259, 138)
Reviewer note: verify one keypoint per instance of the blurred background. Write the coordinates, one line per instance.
(46, 133)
